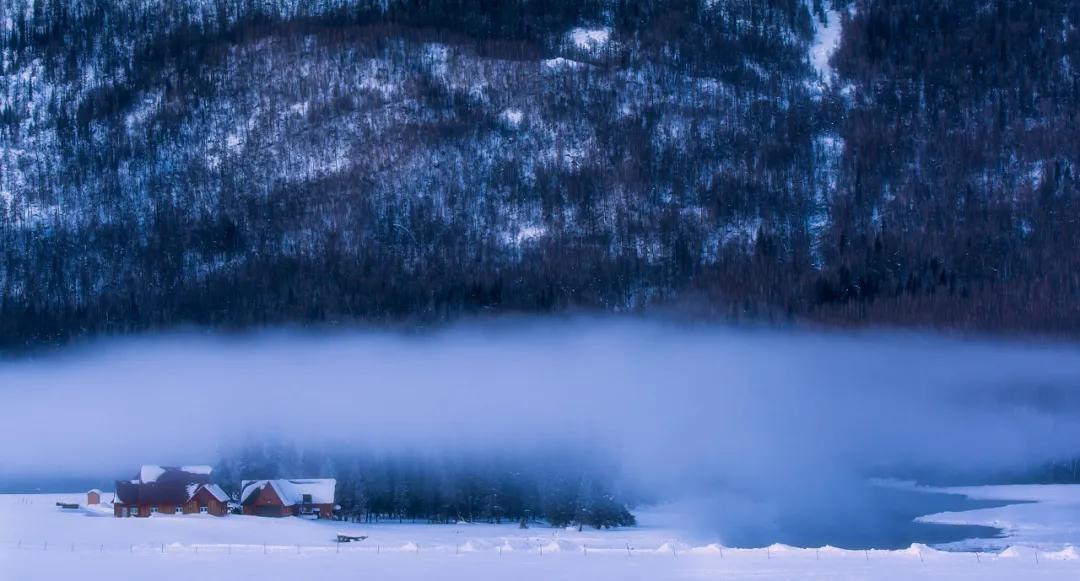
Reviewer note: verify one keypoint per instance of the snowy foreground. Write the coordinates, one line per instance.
(1048, 518)
(41, 541)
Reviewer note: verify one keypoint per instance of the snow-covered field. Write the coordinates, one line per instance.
(1047, 517)
(41, 541)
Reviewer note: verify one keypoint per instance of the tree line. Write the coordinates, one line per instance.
(544, 488)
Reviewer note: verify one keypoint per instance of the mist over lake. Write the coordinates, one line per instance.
(765, 434)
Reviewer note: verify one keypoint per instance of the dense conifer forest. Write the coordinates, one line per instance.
(233, 163)
(550, 488)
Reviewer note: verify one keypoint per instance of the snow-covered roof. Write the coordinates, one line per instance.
(217, 492)
(292, 490)
(162, 484)
(213, 489)
(320, 489)
(150, 473)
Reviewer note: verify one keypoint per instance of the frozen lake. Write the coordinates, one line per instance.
(886, 519)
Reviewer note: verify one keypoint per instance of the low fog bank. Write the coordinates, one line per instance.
(758, 430)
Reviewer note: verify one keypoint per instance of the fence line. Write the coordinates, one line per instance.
(671, 551)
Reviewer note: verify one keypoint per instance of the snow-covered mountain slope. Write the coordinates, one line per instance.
(375, 160)
(237, 163)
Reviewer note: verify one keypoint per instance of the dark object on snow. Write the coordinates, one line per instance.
(67, 505)
(348, 539)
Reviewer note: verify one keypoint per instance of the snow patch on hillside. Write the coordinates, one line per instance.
(590, 39)
(233, 141)
(300, 108)
(512, 117)
(524, 234)
(437, 57)
(826, 40)
(559, 63)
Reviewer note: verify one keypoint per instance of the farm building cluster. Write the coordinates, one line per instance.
(182, 490)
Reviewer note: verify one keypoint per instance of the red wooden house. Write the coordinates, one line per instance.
(303, 497)
(170, 490)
